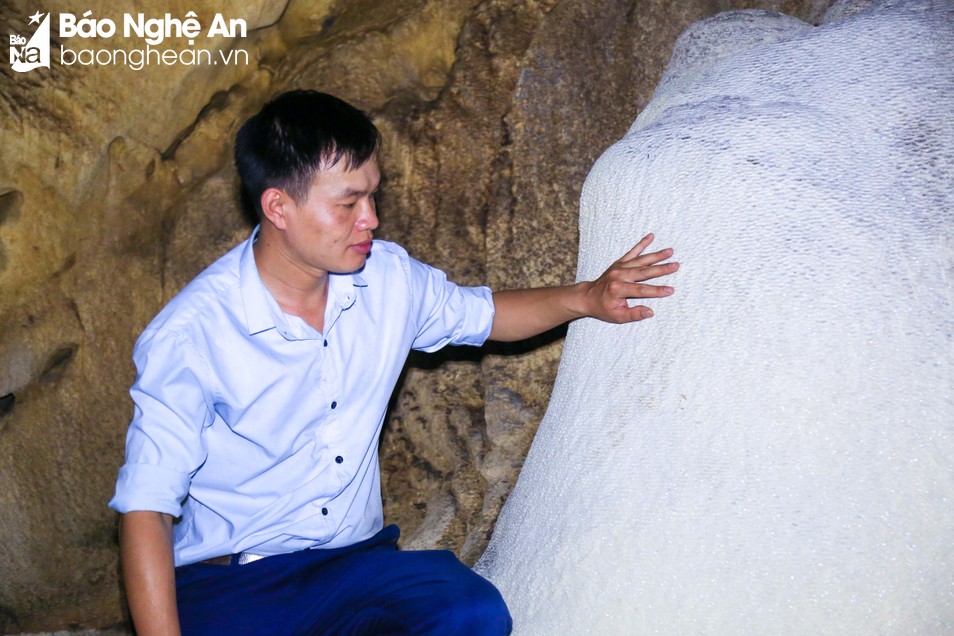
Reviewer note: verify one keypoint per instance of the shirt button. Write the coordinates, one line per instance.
(339, 459)
(334, 405)
(324, 511)
(326, 343)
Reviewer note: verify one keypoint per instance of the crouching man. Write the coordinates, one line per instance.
(250, 494)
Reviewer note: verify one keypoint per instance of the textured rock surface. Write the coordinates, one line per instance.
(116, 188)
(774, 452)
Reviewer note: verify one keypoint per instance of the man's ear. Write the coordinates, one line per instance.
(275, 206)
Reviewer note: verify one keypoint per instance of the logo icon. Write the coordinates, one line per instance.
(26, 55)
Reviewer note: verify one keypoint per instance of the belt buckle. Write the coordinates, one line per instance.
(241, 558)
(245, 558)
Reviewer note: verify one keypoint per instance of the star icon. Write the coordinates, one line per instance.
(36, 17)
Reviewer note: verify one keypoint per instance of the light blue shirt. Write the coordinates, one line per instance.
(262, 433)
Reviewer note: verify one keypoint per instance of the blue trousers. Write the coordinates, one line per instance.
(367, 588)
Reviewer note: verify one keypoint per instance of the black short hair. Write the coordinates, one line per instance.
(293, 137)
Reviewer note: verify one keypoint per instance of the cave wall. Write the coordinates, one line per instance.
(116, 188)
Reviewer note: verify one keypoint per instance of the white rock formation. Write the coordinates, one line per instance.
(773, 453)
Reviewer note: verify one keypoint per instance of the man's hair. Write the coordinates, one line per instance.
(292, 138)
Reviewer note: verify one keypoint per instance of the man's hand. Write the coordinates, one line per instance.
(527, 312)
(624, 280)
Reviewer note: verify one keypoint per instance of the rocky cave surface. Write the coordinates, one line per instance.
(117, 187)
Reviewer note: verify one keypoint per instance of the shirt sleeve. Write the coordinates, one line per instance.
(164, 445)
(446, 312)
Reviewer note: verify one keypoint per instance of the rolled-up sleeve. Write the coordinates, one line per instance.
(448, 313)
(164, 446)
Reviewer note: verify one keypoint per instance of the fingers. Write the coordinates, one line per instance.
(634, 314)
(642, 290)
(624, 281)
(638, 248)
(635, 257)
(641, 273)
(647, 259)
(615, 301)
(641, 313)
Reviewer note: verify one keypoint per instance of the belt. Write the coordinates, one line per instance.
(233, 559)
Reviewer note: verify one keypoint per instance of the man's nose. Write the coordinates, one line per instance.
(369, 215)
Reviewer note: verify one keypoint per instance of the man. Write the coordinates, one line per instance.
(250, 494)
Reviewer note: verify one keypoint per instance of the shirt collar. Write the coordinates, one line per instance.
(262, 311)
(254, 295)
(342, 295)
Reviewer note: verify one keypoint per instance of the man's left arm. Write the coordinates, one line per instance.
(523, 313)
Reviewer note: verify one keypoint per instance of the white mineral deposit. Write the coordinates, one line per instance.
(773, 453)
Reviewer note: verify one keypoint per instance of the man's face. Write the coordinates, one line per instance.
(330, 231)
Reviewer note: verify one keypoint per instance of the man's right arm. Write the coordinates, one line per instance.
(145, 546)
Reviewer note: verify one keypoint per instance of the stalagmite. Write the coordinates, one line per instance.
(773, 453)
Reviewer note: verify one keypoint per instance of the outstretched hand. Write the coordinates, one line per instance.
(522, 313)
(625, 279)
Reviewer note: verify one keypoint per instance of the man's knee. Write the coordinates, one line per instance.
(475, 608)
